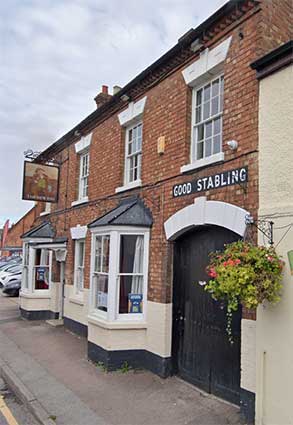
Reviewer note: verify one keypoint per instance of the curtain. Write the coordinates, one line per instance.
(137, 281)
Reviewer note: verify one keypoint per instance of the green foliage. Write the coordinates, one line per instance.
(124, 368)
(244, 274)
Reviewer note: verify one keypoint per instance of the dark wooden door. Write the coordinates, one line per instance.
(202, 353)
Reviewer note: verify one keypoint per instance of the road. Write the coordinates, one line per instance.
(12, 411)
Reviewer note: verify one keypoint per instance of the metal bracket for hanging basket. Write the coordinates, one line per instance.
(264, 226)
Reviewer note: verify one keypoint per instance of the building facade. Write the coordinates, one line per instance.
(274, 326)
(161, 174)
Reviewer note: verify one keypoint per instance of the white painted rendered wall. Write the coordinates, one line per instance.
(274, 393)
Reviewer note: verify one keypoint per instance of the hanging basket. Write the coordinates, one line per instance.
(244, 274)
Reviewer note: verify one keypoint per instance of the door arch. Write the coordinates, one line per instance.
(201, 351)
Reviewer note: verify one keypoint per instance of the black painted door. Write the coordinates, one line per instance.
(202, 353)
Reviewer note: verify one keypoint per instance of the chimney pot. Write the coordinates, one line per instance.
(105, 89)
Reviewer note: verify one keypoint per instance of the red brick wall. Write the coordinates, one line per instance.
(22, 226)
(168, 113)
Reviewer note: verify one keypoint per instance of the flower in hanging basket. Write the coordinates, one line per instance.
(244, 274)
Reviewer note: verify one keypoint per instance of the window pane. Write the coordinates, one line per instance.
(217, 144)
(131, 294)
(208, 147)
(41, 277)
(198, 97)
(98, 254)
(208, 129)
(200, 150)
(206, 110)
(217, 125)
(200, 132)
(131, 254)
(207, 93)
(215, 106)
(106, 253)
(215, 88)
(101, 292)
(131, 263)
(81, 254)
(198, 114)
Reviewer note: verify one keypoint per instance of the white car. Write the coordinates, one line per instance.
(10, 268)
(9, 271)
(8, 278)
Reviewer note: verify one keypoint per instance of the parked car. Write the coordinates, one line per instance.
(10, 277)
(12, 289)
(10, 270)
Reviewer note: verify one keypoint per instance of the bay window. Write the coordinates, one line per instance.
(119, 267)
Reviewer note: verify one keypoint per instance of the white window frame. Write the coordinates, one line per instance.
(128, 157)
(78, 269)
(25, 267)
(47, 209)
(33, 271)
(83, 177)
(206, 160)
(112, 314)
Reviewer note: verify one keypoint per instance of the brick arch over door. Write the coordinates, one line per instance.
(204, 212)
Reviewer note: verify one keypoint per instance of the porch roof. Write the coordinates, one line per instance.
(44, 230)
(129, 212)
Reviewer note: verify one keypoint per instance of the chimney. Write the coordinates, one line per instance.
(116, 89)
(102, 97)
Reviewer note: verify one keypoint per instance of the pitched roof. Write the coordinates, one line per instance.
(170, 61)
(44, 230)
(129, 212)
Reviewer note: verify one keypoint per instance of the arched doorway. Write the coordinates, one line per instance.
(201, 351)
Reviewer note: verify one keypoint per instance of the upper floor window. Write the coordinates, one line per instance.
(83, 175)
(133, 153)
(207, 110)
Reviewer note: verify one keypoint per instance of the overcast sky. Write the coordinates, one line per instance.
(56, 54)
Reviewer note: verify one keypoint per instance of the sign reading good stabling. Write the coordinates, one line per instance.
(40, 182)
(215, 181)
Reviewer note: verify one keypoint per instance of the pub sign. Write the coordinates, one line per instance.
(40, 182)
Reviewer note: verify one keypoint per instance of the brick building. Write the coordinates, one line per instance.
(13, 242)
(163, 172)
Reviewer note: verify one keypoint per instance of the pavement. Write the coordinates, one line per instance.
(48, 367)
(12, 410)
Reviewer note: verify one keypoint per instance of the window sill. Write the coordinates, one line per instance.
(128, 186)
(95, 320)
(36, 295)
(80, 201)
(203, 162)
(77, 300)
(44, 213)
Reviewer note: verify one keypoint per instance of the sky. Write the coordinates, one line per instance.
(56, 54)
